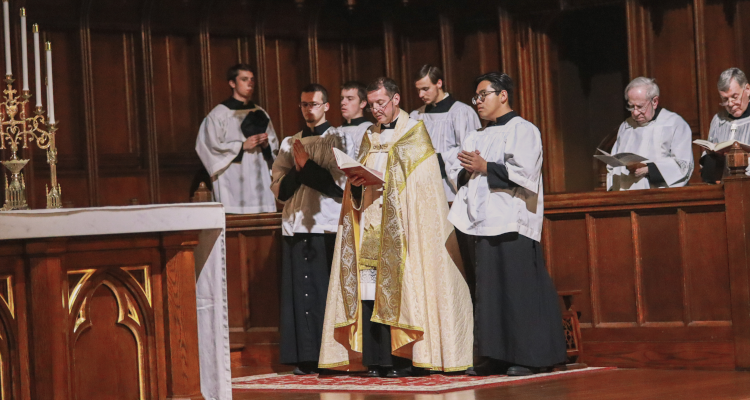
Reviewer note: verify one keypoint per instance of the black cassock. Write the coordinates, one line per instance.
(305, 269)
(517, 317)
(305, 272)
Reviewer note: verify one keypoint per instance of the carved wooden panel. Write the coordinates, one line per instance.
(110, 323)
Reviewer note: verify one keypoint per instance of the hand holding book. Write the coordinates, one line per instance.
(357, 173)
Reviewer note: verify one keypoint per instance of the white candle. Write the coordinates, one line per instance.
(6, 26)
(37, 67)
(24, 51)
(50, 92)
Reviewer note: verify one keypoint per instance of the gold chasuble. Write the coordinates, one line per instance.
(420, 291)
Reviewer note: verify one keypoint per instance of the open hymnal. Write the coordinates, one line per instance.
(351, 166)
(722, 147)
(619, 160)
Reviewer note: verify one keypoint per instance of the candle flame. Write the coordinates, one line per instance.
(23, 11)
(48, 45)
(35, 28)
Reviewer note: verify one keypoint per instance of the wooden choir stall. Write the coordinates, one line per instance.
(101, 303)
(663, 276)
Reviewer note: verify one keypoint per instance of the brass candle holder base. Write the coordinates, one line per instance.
(15, 191)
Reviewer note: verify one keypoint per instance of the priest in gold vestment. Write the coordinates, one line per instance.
(396, 298)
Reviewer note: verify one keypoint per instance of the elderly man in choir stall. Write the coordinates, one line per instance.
(657, 134)
(731, 123)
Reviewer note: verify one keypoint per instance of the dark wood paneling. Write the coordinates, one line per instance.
(225, 52)
(565, 246)
(615, 278)
(708, 270)
(660, 262)
(672, 58)
(664, 293)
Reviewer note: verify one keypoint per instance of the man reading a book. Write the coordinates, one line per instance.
(308, 182)
(396, 299)
(730, 124)
(657, 134)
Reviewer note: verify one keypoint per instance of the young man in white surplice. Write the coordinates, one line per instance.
(237, 145)
(447, 120)
(353, 104)
(500, 203)
(307, 180)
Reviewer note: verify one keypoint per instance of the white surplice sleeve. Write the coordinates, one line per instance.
(523, 156)
(465, 121)
(612, 171)
(215, 148)
(273, 140)
(283, 163)
(677, 167)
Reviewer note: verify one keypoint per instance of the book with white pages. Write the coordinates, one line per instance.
(722, 147)
(621, 159)
(351, 166)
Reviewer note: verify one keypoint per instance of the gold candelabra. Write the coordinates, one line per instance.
(16, 129)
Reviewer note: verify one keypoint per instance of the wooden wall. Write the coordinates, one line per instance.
(134, 78)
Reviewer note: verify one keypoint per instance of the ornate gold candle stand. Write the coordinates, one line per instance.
(16, 129)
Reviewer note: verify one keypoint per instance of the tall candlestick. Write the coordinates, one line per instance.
(37, 66)
(6, 28)
(50, 91)
(24, 51)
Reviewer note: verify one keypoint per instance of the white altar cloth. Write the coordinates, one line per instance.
(210, 263)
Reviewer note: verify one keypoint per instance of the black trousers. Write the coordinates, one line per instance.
(305, 272)
(376, 342)
(517, 317)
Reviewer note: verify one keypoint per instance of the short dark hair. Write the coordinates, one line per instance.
(316, 87)
(391, 88)
(432, 71)
(234, 71)
(361, 89)
(499, 81)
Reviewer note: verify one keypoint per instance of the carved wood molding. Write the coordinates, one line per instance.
(704, 88)
(84, 31)
(638, 39)
(205, 46)
(152, 148)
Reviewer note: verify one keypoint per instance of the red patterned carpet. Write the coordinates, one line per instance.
(436, 383)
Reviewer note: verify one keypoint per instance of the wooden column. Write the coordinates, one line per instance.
(49, 333)
(181, 320)
(737, 194)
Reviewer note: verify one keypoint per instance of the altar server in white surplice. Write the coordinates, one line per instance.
(731, 123)
(308, 181)
(236, 144)
(447, 121)
(353, 104)
(659, 135)
(500, 203)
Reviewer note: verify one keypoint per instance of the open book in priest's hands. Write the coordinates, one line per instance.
(722, 147)
(621, 159)
(351, 167)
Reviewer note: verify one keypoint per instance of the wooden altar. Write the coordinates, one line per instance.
(663, 276)
(103, 315)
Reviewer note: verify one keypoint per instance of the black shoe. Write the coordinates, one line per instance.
(373, 372)
(518, 370)
(398, 373)
(487, 368)
(305, 368)
(417, 371)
